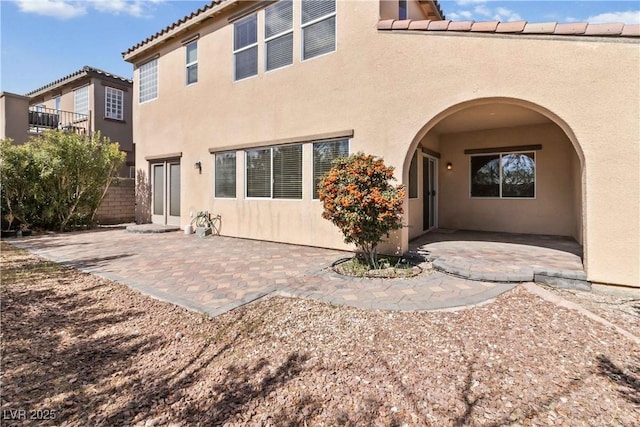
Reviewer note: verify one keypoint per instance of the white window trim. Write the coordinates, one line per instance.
(501, 197)
(275, 36)
(107, 114)
(322, 18)
(190, 64)
(157, 81)
(246, 182)
(233, 47)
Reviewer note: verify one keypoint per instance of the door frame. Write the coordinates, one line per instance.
(434, 206)
(165, 218)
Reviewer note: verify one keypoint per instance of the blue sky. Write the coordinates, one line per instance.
(43, 40)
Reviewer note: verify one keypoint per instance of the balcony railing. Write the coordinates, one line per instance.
(41, 119)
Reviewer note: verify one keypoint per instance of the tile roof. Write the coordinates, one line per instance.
(176, 24)
(433, 4)
(84, 71)
(518, 27)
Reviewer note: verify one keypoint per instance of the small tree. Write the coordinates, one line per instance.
(360, 200)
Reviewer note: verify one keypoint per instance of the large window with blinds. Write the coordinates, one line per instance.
(278, 35)
(324, 153)
(274, 172)
(245, 47)
(225, 175)
(318, 27)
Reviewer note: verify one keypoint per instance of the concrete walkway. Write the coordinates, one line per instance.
(217, 274)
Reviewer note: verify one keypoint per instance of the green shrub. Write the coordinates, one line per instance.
(57, 179)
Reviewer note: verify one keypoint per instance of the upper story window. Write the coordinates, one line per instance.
(113, 103)
(278, 34)
(57, 103)
(504, 175)
(245, 47)
(192, 62)
(318, 27)
(81, 100)
(148, 81)
(402, 10)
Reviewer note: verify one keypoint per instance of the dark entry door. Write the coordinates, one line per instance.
(428, 193)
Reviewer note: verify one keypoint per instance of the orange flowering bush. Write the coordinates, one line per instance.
(360, 200)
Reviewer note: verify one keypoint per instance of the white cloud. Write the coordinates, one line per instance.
(505, 15)
(56, 8)
(468, 2)
(67, 9)
(629, 17)
(482, 10)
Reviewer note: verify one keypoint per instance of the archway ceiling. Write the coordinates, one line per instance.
(489, 116)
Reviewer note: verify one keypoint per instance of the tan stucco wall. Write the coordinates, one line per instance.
(550, 212)
(389, 88)
(14, 118)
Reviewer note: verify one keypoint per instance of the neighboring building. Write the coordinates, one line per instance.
(515, 127)
(85, 101)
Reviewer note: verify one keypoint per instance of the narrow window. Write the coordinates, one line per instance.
(258, 172)
(318, 27)
(402, 9)
(113, 103)
(510, 175)
(57, 103)
(413, 177)
(287, 172)
(81, 100)
(225, 176)
(245, 47)
(192, 62)
(278, 34)
(148, 81)
(324, 153)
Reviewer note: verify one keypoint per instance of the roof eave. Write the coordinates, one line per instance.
(154, 41)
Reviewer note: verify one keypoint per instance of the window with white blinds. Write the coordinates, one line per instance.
(324, 153)
(81, 100)
(245, 47)
(148, 81)
(278, 34)
(318, 27)
(225, 175)
(287, 172)
(274, 172)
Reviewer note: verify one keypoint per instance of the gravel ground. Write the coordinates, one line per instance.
(98, 353)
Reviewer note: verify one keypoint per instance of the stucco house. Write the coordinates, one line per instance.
(84, 101)
(515, 127)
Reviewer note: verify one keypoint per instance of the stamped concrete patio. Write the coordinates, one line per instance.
(216, 274)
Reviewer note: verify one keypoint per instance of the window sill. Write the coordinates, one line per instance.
(109, 119)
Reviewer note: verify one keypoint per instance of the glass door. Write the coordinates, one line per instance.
(165, 193)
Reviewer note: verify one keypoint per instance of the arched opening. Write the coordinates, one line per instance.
(495, 165)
